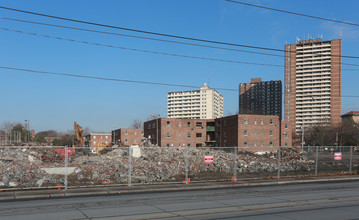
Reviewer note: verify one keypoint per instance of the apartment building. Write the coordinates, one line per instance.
(261, 97)
(205, 103)
(237, 130)
(257, 131)
(127, 136)
(176, 132)
(94, 140)
(313, 83)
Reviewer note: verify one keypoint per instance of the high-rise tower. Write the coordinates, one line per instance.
(312, 92)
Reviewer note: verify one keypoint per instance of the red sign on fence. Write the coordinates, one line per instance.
(338, 156)
(208, 159)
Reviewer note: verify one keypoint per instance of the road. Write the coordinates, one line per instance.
(300, 201)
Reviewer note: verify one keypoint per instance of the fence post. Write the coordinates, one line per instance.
(351, 159)
(186, 160)
(278, 175)
(316, 161)
(235, 164)
(66, 164)
(129, 165)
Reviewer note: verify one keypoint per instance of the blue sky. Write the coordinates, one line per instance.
(54, 102)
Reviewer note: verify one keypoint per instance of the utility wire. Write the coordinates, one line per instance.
(140, 50)
(294, 13)
(140, 37)
(153, 33)
(123, 80)
(153, 52)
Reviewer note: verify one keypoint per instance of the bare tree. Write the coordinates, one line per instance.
(8, 125)
(153, 116)
(137, 124)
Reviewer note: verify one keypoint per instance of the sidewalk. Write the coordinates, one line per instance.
(144, 188)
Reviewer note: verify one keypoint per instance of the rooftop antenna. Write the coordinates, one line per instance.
(340, 34)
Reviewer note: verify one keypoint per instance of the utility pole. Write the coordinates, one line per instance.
(303, 136)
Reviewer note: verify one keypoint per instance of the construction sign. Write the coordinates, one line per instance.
(338, 156)
(208, 159)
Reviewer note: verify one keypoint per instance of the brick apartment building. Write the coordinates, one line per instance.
(252, 131)
(236, 130)
(127, 136)
(94, 140)
(313, 75)
(176, 132)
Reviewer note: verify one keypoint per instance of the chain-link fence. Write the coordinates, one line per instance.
(64, 167)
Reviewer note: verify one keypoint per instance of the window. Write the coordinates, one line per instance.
(224, 123)
(198, 135)
(245, 120)
(149, 126)
(126, 140)
(135, 142)
(271, 121)
(286, 125)
(271, 132)
(198, 124)
(168, 124)
(126, 132)
(262, 132)
(255, 121)
(255, 143)
(188, 134)
(179, 124)
(142, 132)
(168, 134)
(188, 124)
(255, 132)
(271, 144)
(106, 142)
(245, 144)
(261, 121)
(188, 145)
(154, 125)
(106, 137)
(245, 133)
(167, 145)
(135, 132)
(94, 137)
(94, 142)
(179, 135)
(286, 144)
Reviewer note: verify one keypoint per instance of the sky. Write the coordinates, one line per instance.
(55, 102)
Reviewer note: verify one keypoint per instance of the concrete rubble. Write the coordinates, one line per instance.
(26, 167)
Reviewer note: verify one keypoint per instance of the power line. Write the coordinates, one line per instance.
(140, 37)
(141, 50)
(154, 52)
(123, 80)
(153, 33)
(294, 13)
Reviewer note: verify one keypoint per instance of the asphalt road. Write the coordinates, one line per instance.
(338, 200)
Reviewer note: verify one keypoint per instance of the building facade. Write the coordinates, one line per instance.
(261, 97)
(245, 130)
(353, 115)
(205, 103)
(312, 92)
(127, 136)
(176, 132)
(241, 130)
(95, 140)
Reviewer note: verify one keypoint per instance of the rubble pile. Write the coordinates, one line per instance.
(22, 167)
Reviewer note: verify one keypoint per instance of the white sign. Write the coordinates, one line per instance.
(338, 156)
(208, 159)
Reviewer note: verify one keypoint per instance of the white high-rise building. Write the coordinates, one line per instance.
(205, 103)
